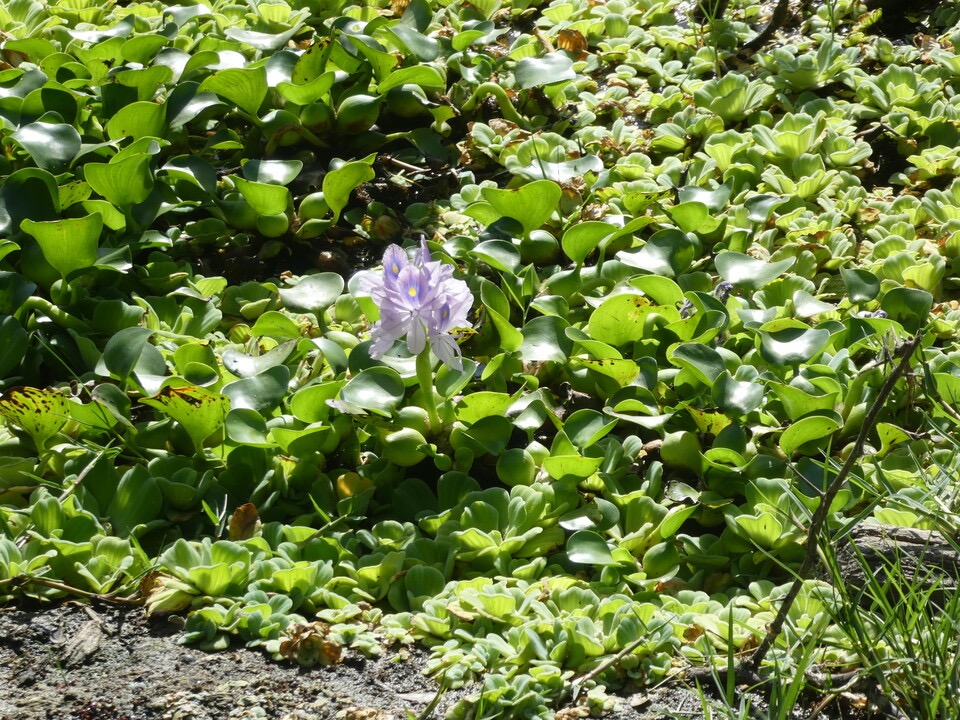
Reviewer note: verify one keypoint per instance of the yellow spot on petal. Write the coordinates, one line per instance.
(412, 292)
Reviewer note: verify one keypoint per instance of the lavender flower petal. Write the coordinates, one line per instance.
(420, 300)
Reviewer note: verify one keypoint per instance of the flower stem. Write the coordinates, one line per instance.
(425, 378)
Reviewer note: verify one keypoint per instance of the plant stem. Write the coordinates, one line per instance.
(904, 352)
(425, 378)
(60, 317)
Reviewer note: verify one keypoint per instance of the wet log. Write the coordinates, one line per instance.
(895, 555)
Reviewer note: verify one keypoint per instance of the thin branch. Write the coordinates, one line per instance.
(905, 353)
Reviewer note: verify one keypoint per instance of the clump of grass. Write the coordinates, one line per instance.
(904, 630)
(903, 620)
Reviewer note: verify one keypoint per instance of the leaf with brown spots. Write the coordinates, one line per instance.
(40, 412)
(200, 411)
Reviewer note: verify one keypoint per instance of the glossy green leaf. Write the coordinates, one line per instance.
(377, 389)
(272, 172)
(694, 217)
(598, 515)
(908, 306)
(747, 272)
(262, 392)
(53, 146)
(137, 501)
(123, 350)
(702, 360)
(791, 344)
(69, 244)
(265, 199)
(544, 340)
(551, 68)
(586, 547)
(586, 427)
(668, 252)
(862, 285)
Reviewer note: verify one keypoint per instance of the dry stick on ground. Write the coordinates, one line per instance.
(904, 352)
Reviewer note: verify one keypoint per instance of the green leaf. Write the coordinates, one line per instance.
(425, 76)
(668, 252)
(27, 193)
(746, 272)
(598, 515)
(378, 389)
(313, 293)
(194, 170)
(551, 68)
(13, 345)
(339, 183)
(309, 403)
(735, 397)
(481, 404)
(138, 120)
(244, 87)
(694, 217)
(271, 41)
(137, 501)
(544, 340)
(272, 172)
(123, 182)
(53, 146)
(793, 344)
(908, 306)
(123, 350)
(200, 411)
(621, 319)
(586, 427)
(498, 254)
(702, 360)
(531, 204)
(265, 199)
(586, 547)
(807, 430)
(69, 244)
(862, 285)
(583, 238)
(243, 365)
(262, 392)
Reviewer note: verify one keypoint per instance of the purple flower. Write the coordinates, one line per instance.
(420, 300)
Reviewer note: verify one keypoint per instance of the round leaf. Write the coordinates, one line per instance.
(585, 547)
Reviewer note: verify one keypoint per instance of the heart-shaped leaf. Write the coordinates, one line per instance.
(69, 244)
(531, 204)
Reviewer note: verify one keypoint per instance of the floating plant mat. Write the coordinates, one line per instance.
(528, 333)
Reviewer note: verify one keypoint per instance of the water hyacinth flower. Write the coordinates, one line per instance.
(420, 300)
